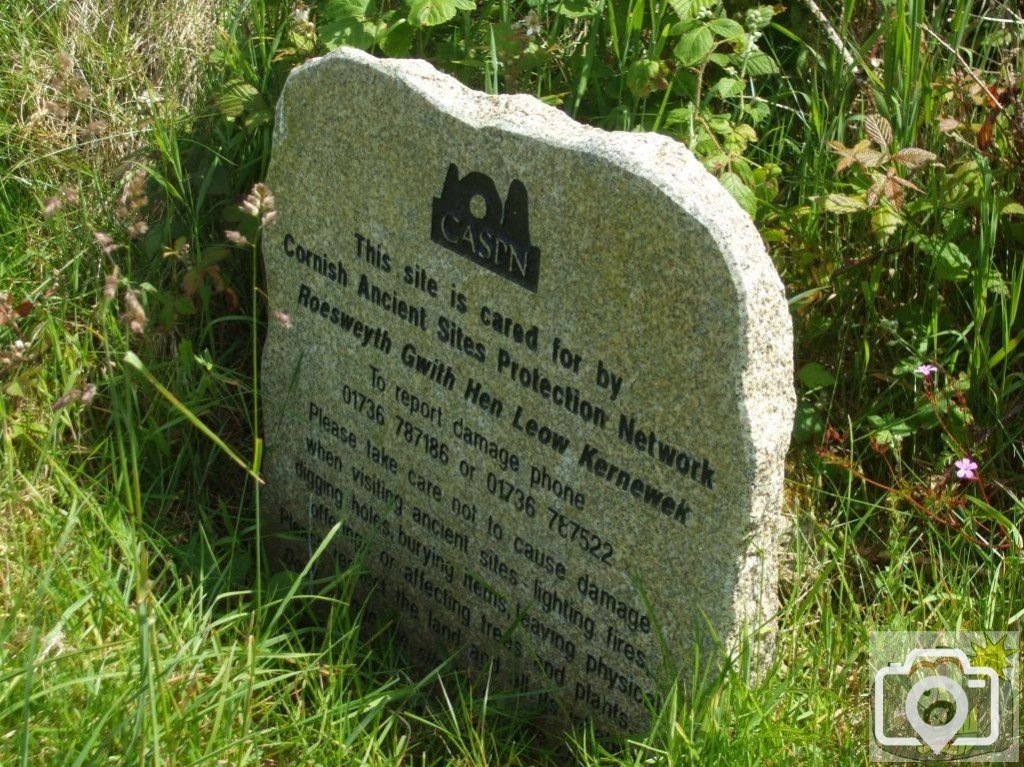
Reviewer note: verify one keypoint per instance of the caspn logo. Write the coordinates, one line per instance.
(498, 240)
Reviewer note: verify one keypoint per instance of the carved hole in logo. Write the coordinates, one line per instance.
(478, 206)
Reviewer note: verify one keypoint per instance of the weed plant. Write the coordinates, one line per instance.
(877, 143)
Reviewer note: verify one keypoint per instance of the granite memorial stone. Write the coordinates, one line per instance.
(538, 375)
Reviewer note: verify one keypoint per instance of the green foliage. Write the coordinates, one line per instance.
(928, 267)
(138, 624)
(882, 189)
(686, 68)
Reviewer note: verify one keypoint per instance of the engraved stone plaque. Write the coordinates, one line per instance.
(539, 374)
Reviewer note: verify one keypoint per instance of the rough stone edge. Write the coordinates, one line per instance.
(668, 166)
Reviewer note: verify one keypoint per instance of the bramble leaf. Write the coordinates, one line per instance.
(430, 13)
(874, 194)
(727, 29)
(913, 157)
(879, 129)
(234, 97)
(694, 46)
(846, 158)
(865, 156)
(398, 39)
(575, 9)
(341, 10)
(687, 9)
(728, 87)
(905, 182)
(894, 191)
(884, 221)
(948, 124)
(843, 203)
(889, 430)
(813, 375)
(350, 31)
(951, 263)
(740, 192)
(758, 64)
(640, 74)
(745, 132)
(807, 423)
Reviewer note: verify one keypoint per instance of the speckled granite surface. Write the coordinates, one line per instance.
(539, 374)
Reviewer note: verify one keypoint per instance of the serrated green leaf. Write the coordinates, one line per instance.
(995, 283)
(1012, 209)
(687, 9)
(279, 585)
(507, 40)
(351, 32)
(745, 132)
(741, 167)
(726, 28)
(813, 375)
(951, 263)
(807, 423)
(720, 124)
(885, 221)
(713, 158)
(640, 74)
(238, 567)
(759, 111)
(759, 64)
(694, 46)
(258, 112)
(535, 56)
(397, 41)
(576, 9)
(740, 192)
(682, 27)
(257, 119)
(680, 115)
(728, 87)
(889, 430)
(234, 97)
(843, 203)
(343, 10)
(705, 145)
(430, 13)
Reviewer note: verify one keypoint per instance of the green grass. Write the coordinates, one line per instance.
(138, 624)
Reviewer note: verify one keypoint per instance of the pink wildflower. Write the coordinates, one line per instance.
(966, 468)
